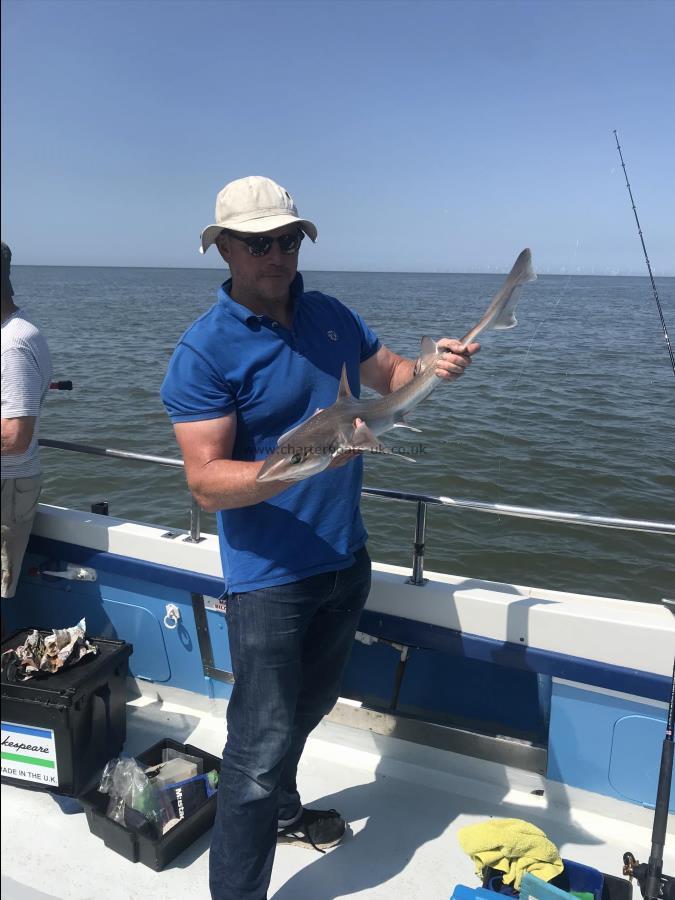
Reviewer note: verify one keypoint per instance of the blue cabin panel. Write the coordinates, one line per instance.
(130, 607)
(371, 674)
(637, 738)
(475, 694)
(445, 688)
(606, 742)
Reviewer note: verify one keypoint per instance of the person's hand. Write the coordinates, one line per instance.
(455, 361)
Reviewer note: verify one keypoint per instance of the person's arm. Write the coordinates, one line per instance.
(385, 371)
(215, 479)
(21, 388)
(16, 434)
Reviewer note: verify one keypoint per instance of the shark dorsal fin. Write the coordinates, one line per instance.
(344, 392)
(428, 353)
(427, 345)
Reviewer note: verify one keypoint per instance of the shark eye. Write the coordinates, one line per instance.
(296, 458)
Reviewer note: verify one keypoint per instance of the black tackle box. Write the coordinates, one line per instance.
(155, 852)
(58, 731)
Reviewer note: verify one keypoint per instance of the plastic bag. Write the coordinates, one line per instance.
(131, 790)
(47, 654)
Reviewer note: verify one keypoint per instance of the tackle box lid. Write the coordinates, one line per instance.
(62, 687)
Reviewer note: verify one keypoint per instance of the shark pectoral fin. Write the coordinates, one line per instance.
(405, 425)
(385, 451)
(363, 439)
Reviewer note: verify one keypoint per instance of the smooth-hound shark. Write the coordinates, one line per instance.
(351, 424)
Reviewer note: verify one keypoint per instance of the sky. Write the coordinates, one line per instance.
(419, 136)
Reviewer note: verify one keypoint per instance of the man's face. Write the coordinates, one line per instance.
(267, 276)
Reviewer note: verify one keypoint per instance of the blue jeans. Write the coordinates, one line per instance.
(289, 647)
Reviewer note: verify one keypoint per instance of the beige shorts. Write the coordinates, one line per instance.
(19, 504)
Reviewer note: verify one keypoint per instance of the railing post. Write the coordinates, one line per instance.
(195, 524)
(418, 547)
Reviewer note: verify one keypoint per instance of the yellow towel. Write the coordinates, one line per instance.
(512, 846)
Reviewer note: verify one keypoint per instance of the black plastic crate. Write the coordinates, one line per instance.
(155, 852)
(58, 731)
(614, 888)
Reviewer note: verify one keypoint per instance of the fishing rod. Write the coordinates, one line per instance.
(644, 250)
(654, 885)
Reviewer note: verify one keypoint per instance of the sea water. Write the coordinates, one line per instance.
(572, 410)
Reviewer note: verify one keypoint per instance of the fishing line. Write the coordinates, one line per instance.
(545, 318)
(514, 390)
(644, 250)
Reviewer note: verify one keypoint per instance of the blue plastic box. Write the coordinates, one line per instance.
(581, 878)
(462, 892)
(584, 878)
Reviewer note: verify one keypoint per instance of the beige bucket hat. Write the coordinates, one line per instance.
(252, 205)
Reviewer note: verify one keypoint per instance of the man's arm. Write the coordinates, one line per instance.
(385, 371)
(16, 434)
(22, 384)
(216, 480)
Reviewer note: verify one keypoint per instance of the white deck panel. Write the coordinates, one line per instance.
(630, 634)
(404, 803)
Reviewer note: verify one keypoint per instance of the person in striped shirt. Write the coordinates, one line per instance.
(26, 373)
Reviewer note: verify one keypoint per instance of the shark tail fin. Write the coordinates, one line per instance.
(500, 313)
(525, 273)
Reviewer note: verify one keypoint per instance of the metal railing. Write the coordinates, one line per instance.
(422, 501)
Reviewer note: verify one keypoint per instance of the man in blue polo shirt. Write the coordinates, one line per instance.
(265, 357)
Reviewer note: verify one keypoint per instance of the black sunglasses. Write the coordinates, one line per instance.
(261, 244)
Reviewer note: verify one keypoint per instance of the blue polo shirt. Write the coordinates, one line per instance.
(231, 360)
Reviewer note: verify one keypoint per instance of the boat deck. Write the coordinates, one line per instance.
(404, 803)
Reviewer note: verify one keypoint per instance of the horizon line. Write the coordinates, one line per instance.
(562, 274)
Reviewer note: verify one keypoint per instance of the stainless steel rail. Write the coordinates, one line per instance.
(503, 509)
(422, 501)
(104, 451)
(195, 511)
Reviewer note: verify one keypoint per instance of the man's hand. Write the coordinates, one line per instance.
(16, 434)
(453, 364)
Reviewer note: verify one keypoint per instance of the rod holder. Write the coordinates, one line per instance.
(195, 536)
(417, 577)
